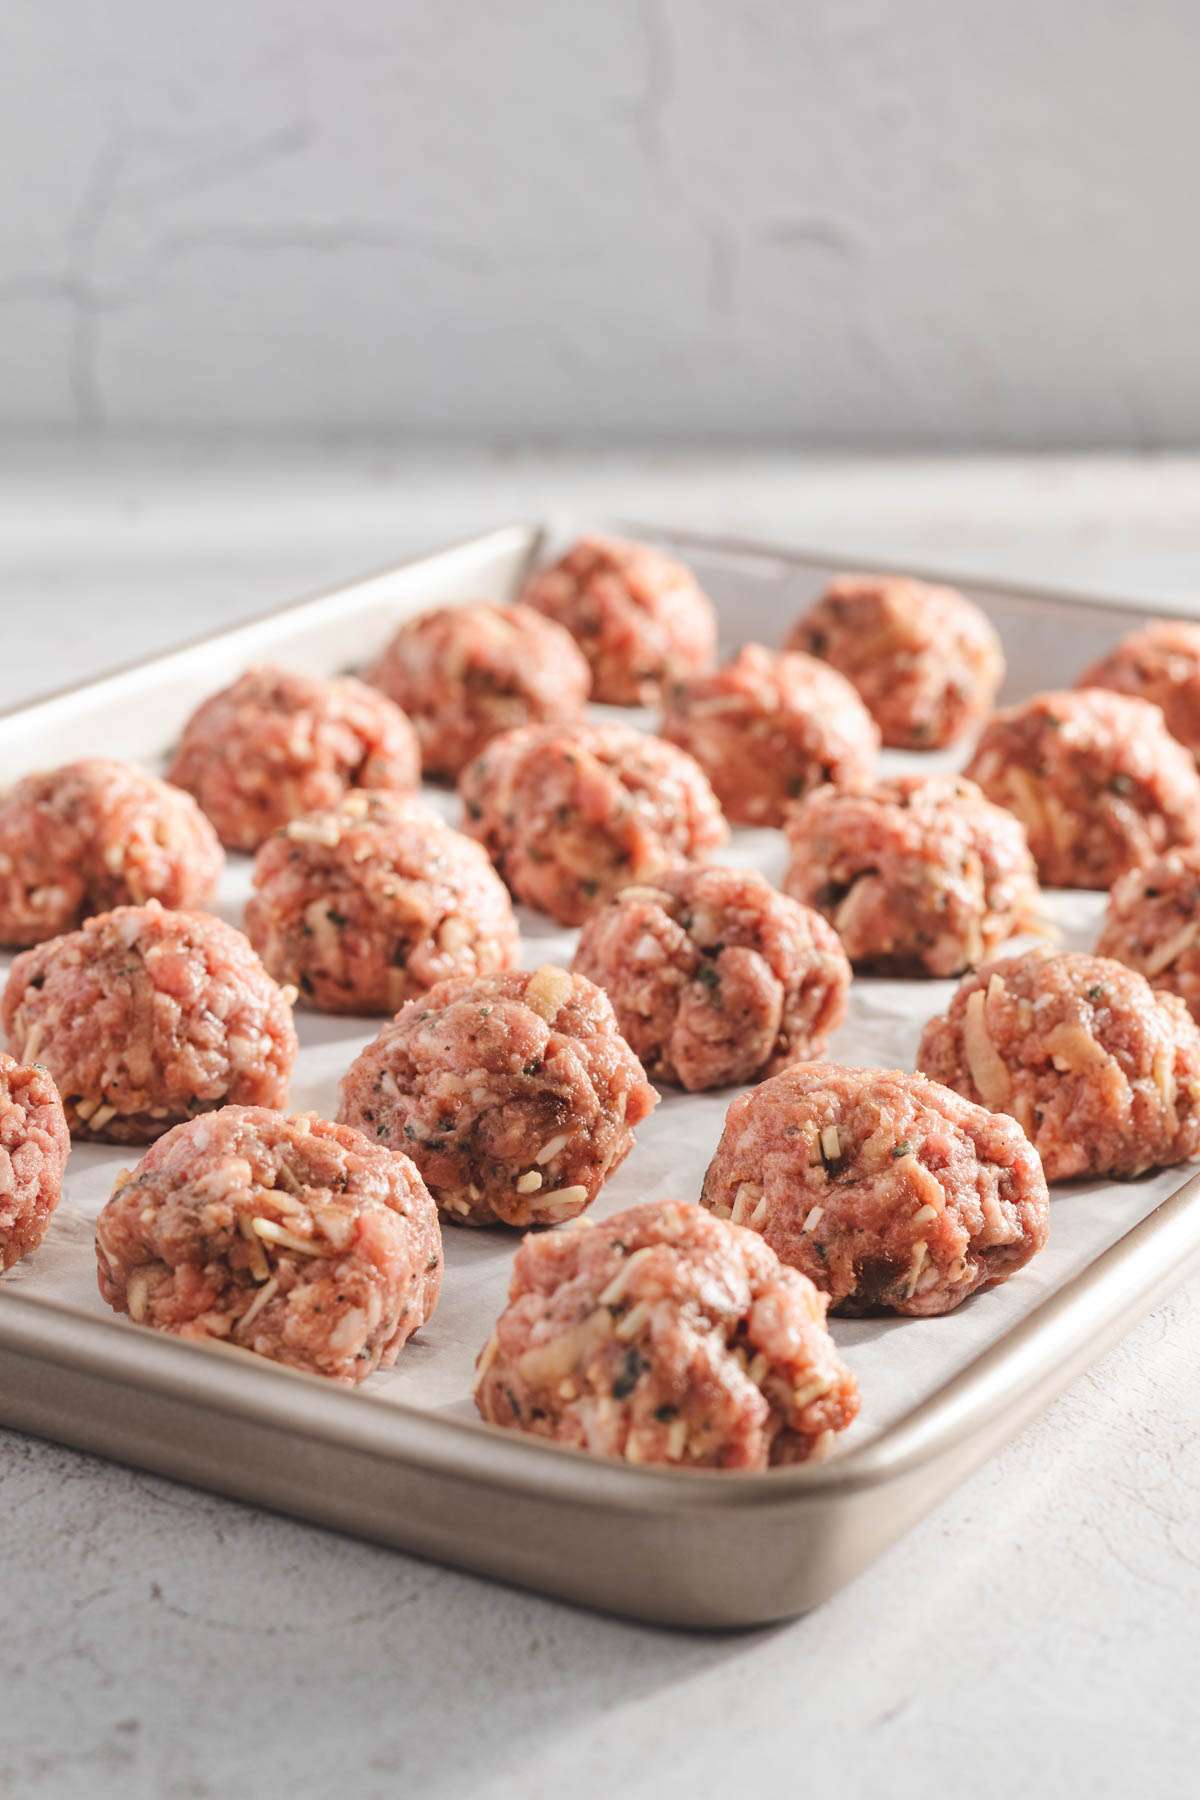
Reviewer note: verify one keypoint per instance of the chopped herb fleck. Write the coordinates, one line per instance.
(628, 1375)
(1095, 993)
(903, 1148)
(831, 894)
(708, 976)
(337, 919)
(663, 1413)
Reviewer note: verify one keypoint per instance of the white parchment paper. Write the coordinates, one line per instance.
(897, 1361)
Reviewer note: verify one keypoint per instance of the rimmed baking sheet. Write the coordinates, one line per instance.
(901, 1364)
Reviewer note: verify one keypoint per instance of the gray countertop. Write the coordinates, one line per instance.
(1037, 1634)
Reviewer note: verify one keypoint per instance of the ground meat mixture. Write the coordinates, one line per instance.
(715, 977)
(276, 745)
(921, 875)
(768, 728)
(1095, 778)
(886, 1190)
(516, 1096)
(291, 1237)
(639, 617)
(927, 662)
(663, 1335)
(1102, 1073)
(571, 817)
(464, 674)
(1160, 663)
(365, 905)
(1153, 924)
(34, 1144)
(145, 1017)
(95, 834)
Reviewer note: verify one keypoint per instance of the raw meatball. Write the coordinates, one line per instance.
(95, 834)
(275, 745)
(1160, 663)
(34, 1145)
(1153, 924)
(464, 674)
(921, 875)
(292, 1237)
(365, 905)
(665, 1336)
(885, 1189)
(1102, 1073)
(639, 617)
(145, 1017)
(715, 977)
(927, 662)
(516, 1096)
(1096, 780)
(571, 817)
(767, 728)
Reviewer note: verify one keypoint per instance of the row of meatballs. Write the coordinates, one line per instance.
(709, 978)
(571, 813)
(717, 977)
(670, 1332)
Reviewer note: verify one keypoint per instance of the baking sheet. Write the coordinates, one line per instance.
(898, 1361)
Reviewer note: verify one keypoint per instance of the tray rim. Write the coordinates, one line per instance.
(998, 1388)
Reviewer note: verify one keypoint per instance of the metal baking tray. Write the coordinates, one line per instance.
(403, 1460)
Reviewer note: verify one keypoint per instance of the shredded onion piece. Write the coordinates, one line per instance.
(549, 1362)
(988, 1070)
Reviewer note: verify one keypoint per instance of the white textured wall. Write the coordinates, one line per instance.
(834, 221)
